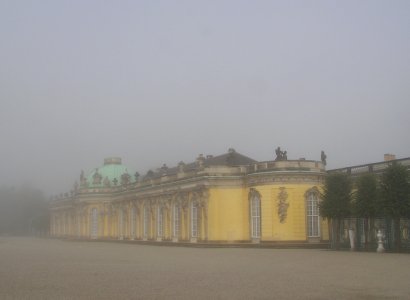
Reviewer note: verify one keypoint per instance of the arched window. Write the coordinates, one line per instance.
(194, 220)
(176, 215)
(55, 225)
(78, 225)
(121, 224)
(94, 223)
(64, 223)
(146, 222)
(255, 213)
(312, 213)
(160, 222)
(133, 222)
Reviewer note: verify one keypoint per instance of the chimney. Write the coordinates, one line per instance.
(389, 157)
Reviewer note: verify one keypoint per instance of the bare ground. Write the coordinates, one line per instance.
(32, 268)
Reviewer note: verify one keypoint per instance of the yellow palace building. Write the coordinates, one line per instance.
(224, 198)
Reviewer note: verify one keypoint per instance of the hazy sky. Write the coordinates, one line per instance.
(161, 81)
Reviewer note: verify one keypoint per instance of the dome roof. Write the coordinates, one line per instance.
(112, 173)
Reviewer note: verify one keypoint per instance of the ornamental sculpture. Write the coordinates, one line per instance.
(281, 155)
(200, 161)
(149, 174)
(282, 204)
(136, 176)
(97, 178)
(83, 180)
(164, 169)
(323, 157)
(84, 183)
(125, 179)
(181, 167)
(106, 182)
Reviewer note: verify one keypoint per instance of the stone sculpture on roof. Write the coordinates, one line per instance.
(106, 182)
(281, 155)
(97, 178)
(323, 157)
(181, 166)
(125, 179)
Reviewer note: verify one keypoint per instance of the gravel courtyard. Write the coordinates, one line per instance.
(32, 268)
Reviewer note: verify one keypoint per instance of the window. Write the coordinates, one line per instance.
(176, 221)
(313, 215)
(146, 221)
(160, 218)
(55, 223)
(133, 222)
(64, 223)
(121, 223)
(78, 226)
(94, 223)
(255, 215)
(194, 220)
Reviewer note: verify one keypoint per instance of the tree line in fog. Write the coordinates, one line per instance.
(367, 197)
(23, 211)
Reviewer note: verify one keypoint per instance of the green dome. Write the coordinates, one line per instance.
(112, 173)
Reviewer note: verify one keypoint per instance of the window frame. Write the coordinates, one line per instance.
(194, 220)
(94, 223)
(313, 225)
(255, 214)
(176, 221)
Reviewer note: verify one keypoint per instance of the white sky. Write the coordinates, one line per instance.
(162, 81)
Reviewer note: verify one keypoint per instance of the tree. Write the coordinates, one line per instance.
(336, 201)
(365, 205)
(395, 192)
(22, 210)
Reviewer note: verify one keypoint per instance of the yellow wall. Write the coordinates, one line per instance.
(228, 217)
(228, 214)
(294, 227)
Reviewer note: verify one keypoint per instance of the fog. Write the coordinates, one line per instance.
(161, 81)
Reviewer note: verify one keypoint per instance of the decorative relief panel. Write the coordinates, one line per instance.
(281, 179)
(282, 204)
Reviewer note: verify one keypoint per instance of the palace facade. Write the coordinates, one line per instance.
(225, 198)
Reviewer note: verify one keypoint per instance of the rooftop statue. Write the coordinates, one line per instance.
(125, 179)
(164, 169)
(137, 176)
(323, 157)
(106, 182)
(281, 155)
(181, 166)
(97, 177)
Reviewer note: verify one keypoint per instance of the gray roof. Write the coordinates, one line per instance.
(232, 158)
